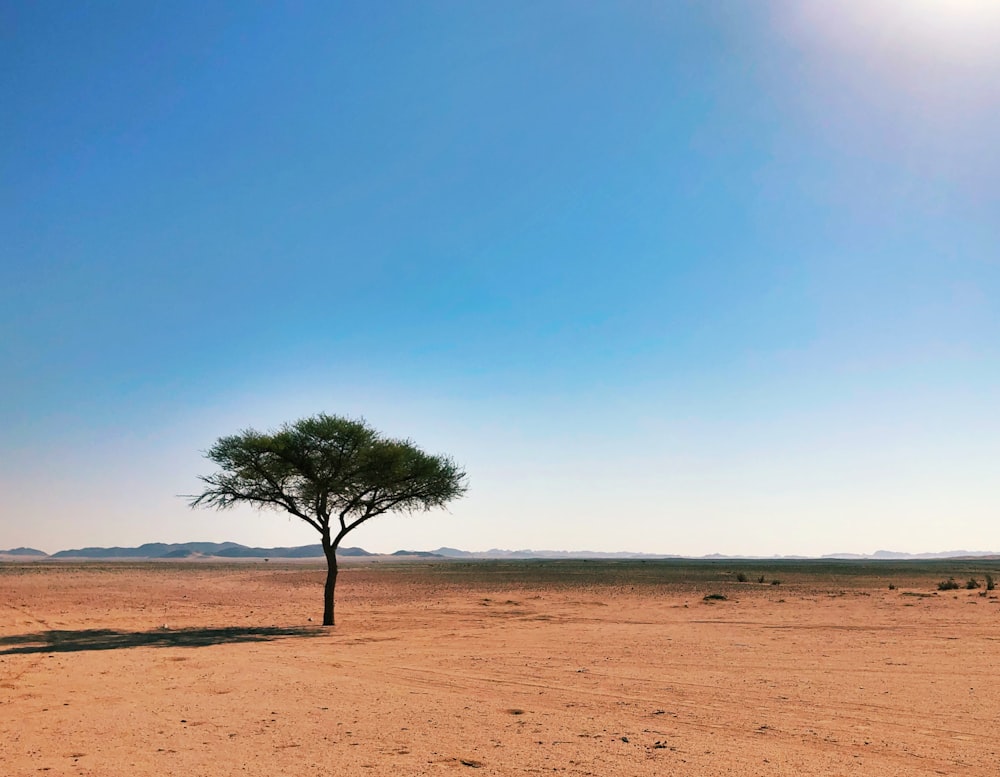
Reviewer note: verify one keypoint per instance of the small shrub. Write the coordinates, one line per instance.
(892, 586)
(990, 585)
(972, 584)
(948, 585)
(715, 598)
(775, 582)
(760, 579)
(741, 577)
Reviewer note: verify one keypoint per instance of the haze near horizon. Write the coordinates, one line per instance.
(685, 280)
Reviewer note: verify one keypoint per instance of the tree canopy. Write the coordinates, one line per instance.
(334, 473)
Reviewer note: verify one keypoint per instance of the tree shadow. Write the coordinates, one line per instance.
(67, 641)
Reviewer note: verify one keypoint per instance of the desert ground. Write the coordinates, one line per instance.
(499, 668)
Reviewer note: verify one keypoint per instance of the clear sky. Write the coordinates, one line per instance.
(664, 277)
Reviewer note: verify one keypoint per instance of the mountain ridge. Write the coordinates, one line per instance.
(234, 550)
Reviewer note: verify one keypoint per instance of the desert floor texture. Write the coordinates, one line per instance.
(498, 668)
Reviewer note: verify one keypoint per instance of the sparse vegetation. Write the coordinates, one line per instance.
(948, 585)
(741, 577)
(972, 584)
(775, 582)
(892, 586)
(715, 597)
(761, 579)
(990, 584)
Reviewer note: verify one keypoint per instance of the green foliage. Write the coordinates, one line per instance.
(332, 472)
(948, 585)
(741, 577)
(990, 584)
(972, 584)
(714, 597)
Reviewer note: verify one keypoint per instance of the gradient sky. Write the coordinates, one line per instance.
(664, 277)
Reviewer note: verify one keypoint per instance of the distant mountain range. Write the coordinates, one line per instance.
(891, 555)
(161, 550)
(24, 552)
(233, 550)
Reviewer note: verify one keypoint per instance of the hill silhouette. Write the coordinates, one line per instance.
(161, 550)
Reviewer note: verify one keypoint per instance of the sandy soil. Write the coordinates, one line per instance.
(178, 669)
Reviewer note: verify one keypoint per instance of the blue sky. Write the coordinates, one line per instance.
(678, 278)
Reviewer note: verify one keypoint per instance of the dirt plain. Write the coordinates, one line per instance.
(499, 668)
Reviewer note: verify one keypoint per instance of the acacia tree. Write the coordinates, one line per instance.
(334, 473)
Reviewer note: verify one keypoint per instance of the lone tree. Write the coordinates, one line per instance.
(332, 472)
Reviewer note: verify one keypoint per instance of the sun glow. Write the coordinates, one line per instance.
(927, 65)
(953, 30)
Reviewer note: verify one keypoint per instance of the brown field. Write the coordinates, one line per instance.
(599, 668)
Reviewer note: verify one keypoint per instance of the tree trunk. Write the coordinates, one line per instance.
(331, 581)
